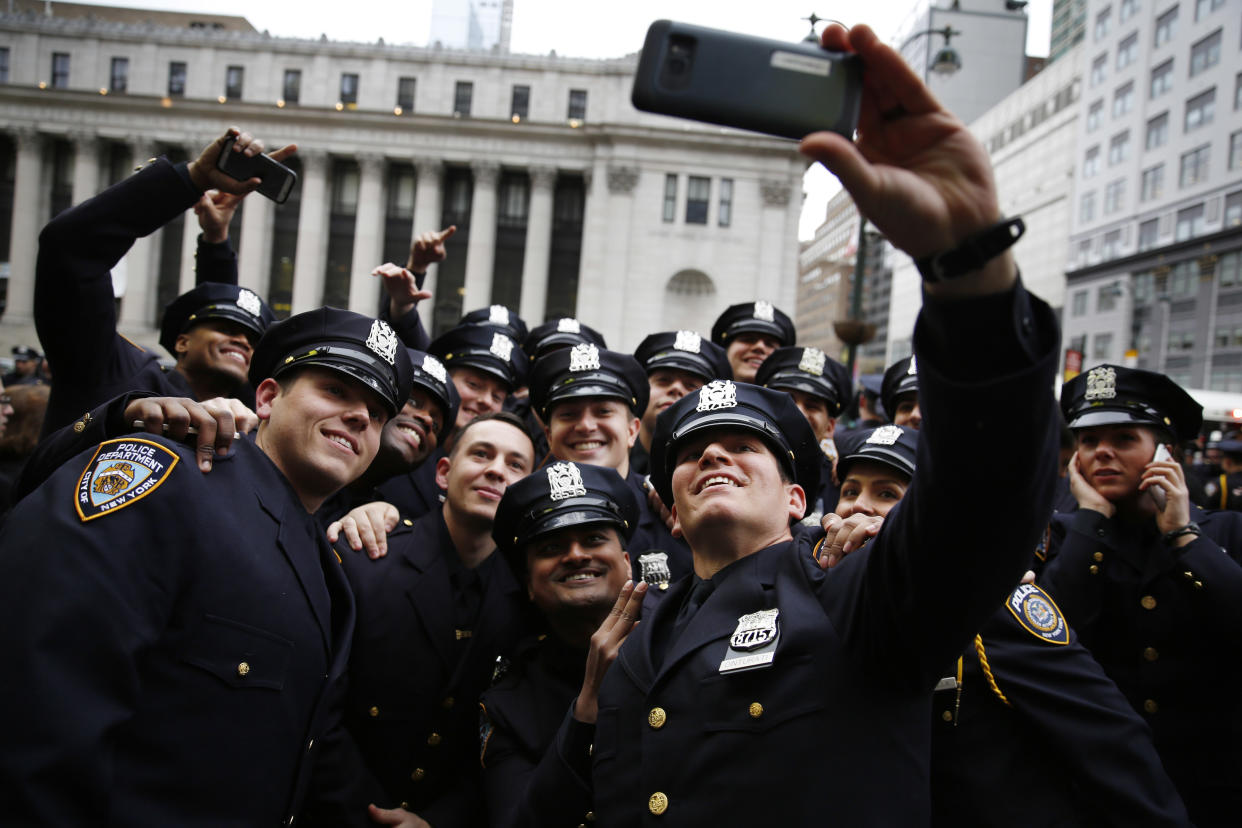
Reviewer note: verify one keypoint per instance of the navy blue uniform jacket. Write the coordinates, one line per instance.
(167, 662)
(1166, 626)
(837, 726)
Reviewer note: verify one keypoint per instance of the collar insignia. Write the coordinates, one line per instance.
(884, 436)
(584, 357)
(1038, 614)
(568, 324)
(717, 394)
(383, 341)
(247, 301)
(564, 480)
(688, 341)
(812, 361)
(502, 346)
(1101, 384)
(121, 473)
(435, 368)
(764, 311)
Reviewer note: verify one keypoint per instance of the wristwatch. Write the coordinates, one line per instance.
(971, 254)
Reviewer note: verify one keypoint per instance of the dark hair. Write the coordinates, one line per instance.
(507, 417)
(22, 432)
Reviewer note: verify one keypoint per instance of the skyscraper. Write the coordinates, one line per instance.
(476, 25)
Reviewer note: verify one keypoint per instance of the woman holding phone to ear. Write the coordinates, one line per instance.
(1154, 591)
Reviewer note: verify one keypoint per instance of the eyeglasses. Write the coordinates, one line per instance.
(5, 399)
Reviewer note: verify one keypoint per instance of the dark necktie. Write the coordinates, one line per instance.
(698, 594)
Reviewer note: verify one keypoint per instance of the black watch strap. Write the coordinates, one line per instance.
(973, 253)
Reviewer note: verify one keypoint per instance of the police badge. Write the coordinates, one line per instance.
(383, 341)
(688, 341)
(717, 394)
(564, 480)
(654, 568)
(247, 301)
(568, 324)
(502, 346)
(435, 368)
(812, 362)
(584, 357)
(753, 643)
(1101, 384)
(764, 311)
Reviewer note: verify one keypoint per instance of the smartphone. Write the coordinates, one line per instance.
(1157, 491)
(276, 179)
(738, 80)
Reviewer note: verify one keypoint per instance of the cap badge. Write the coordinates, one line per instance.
(383, 341)
(568, 324)
(812, 361)
(498, 315)
(688, 341)
(885, 436)
(764, 311)
(717, 394)
(564, 480)
(1101, 384)
(502, 346)
(435, 368)
(247, 301)
(584, 357)
(913, 370)
(654, 567)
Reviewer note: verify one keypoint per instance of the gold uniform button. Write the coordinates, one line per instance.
(408, 522)
(658, 803)
(373, 712)
(243, 669)
(590, 816)
(417, 775)
(447, 704)
(1093, 569)
(1150, 706)
(1197, 585)
(1148, 602)
(1150, 654)
(310, 745)
(755, 710)
(433, 739)
(947, 715)
(656, 718)
(405, 805)
(1097, 557)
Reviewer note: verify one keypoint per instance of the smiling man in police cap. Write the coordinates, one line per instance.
(175, 637)
(749, 333)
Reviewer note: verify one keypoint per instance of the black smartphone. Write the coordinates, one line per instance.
(276, 179)
(738, 80)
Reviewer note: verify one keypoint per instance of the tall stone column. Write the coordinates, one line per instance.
(254, 254)
(604, 272)
(481, 250)
(136, 270)
(312, 249)
(189, 237)
(368, 235)
(428, 206)
(538, 253)
(28, 209)
(85, 166)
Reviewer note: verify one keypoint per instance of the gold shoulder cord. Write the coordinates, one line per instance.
(987, 670)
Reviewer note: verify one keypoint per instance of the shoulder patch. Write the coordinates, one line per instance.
(1038, 614)
(121, 473)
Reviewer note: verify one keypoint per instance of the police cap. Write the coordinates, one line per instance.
(894, 446)
(900, 378)
(484, 348)
(685, 351)
(588, 371)
(500, 318)
(355, 345)
(753, 317)
(214, 300)
(558, 496)
(725, 404)
(431, 375)
(811, 371)
(24, 353)
(1114, 395)
(559, 333)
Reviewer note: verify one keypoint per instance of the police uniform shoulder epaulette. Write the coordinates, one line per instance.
(121, 473)
(1038, 614)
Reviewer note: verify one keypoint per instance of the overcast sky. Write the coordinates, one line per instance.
(587, 29)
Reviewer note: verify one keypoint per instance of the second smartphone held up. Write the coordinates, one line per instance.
(276, 179)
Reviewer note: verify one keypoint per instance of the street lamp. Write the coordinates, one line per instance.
(947, 61)
(812, 36)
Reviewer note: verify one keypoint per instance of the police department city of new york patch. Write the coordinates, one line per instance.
(1038, 614)
(121, 473)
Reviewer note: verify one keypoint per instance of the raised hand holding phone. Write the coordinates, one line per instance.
(1156, 491)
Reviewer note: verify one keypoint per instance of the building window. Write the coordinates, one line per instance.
(1233, 209)
(670, 197)
(1205, 54)
(1157, 132)
(1093, 116)
(118, 78)
(176, 79)
(1200, 110)
(520, 104)
(1194, 166)
(1123, 99)
(1111, 249)
(1084, 253)
(1119, 148)
(1103, 22)
(1237, 92)
(1114, 196)
(1102, 346)
(514, 201)
(1091, 164)
(698, 194)
(1086, 207)
(725, 214)
(233, 78)
(1127, 51)
(1099, 70)
(1235, 151)
(1080, 303)
(577, 105)
(1147, 234)
(292, 86)
(60, 70)
(1206, 7)
(1166, 26)
(1229, 269)
(1152, 183)
(1127, 10)
(405, 94)
(1189, 223)
(1161, 79)
(349, 90)
(4, 64)
(462, 94)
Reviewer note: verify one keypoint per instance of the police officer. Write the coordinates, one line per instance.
(1223, 489)
(676, 362)
(749, 332)
(1026, 728)
(1152, 583)
(433, 615)
(899, 393)
(210, 331)
(759, 672)
(867, 411)
(821, 388)
(172, 636)
(26, 363)
(564, 529)
(554, 334)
